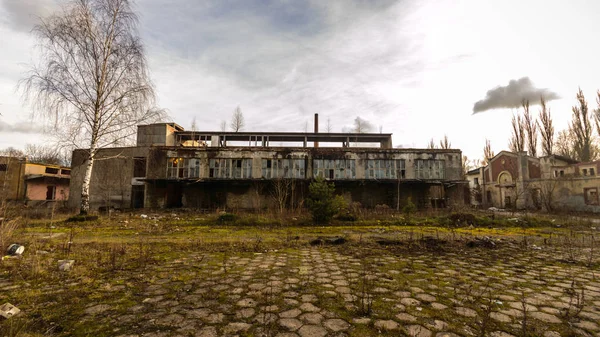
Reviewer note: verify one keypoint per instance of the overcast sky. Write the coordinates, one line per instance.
(417, 68)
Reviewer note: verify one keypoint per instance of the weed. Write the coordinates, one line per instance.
(576, 294)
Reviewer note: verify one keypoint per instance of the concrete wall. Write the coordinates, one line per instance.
(156, 135)
(11, 180)
(112, 177)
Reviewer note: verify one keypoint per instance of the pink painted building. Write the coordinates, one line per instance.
(36, 184)
(46, 182)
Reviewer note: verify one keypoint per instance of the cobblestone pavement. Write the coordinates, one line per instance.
(320, 291)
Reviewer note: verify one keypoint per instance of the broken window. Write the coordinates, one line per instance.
(65, 172)
(139, 167)
(591, 196)
(592, 173)
(585, 172)
(183, 168)
(51, 170)
(3, 167)
(430, 169)
(283, 168)
(334, 168)
(230, 168)
(562, 173)
(385, 169)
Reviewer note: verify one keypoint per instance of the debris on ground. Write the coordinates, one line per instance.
(65, 265)
(485, 242)
(8, 310)
(144, 216)
(328, 241)
(388, 242)
(15, 249)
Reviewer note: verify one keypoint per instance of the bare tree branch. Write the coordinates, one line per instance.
(531, 130)
(581, 130)
(546, 128)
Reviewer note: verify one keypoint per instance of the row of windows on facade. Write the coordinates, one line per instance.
(296, 168)
(586, 172)
(48, 170)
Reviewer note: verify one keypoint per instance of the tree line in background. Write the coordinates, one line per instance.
(42, 154)
(578, 141)
(237, 123)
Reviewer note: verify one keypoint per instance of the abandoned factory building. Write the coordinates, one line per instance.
(171, 167)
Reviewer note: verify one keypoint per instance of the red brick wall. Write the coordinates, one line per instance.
(511, 164)
(534, 170)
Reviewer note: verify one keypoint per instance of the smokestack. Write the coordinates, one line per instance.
(316, 127)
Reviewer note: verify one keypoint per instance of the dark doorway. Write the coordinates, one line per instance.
(137, 196)
(174, 196)
(50, 192)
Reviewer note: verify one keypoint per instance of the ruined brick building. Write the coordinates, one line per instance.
(171, 167)
(516, 180)
(33, 183)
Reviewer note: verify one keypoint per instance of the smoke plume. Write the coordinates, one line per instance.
(512, 95)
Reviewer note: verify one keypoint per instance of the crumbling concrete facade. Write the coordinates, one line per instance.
(33, 183)
(516, 180)
(172, 167)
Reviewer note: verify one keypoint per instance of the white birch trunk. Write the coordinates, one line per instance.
(85, 185)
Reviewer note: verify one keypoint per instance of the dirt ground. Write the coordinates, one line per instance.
(170, 275)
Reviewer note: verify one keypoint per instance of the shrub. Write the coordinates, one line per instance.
(227, 218)
(409, 208)
(322, 202)
(461, 219)
(82, 218)
(347, 217)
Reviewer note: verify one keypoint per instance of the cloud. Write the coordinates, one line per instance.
(512, 95)
(282, 61)
(19, 127)
(24, 14)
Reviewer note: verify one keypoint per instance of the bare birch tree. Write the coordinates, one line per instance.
(92, 79)
(328, 126)
(531, 130)
(581, 130)
(223, 126)
(516, 142)
(237, 120)
(546, 128)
